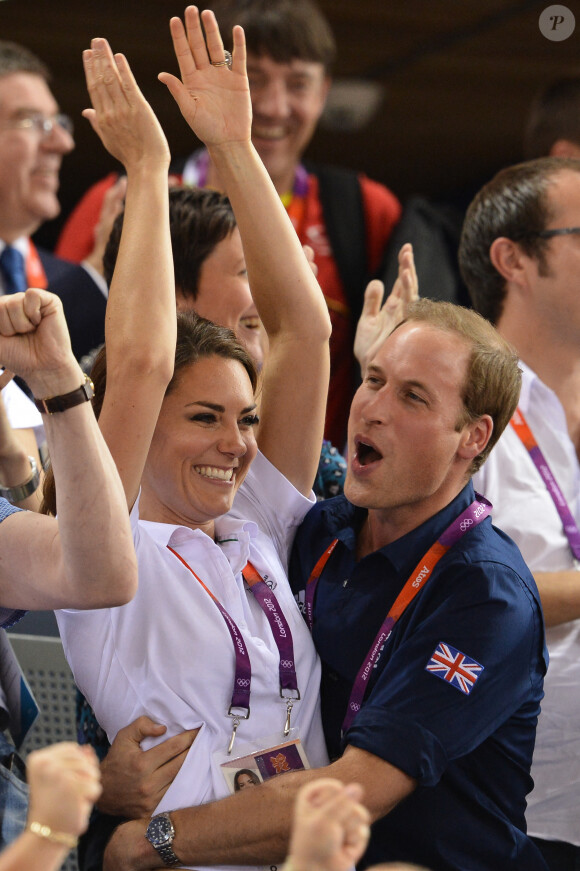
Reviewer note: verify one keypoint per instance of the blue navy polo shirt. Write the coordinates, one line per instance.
(6, 509)
(468, 744)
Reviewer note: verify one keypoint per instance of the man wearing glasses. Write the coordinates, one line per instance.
(34, 137)
(520, 259)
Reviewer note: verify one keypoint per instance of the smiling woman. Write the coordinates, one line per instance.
(213, 518)
(201, 448)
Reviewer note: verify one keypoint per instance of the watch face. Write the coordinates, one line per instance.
(160, 831)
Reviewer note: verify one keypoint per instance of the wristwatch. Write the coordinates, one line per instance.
(160, 834)
(27, 488)
(54, 404)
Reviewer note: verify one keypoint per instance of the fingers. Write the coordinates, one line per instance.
(126, 80)
(373, 298)
(239, 53)
(67, 770)
(22, 312)
(194, 52)
(177, 89)
(409, 289)
(94, 63)
(182, 47)
(315, 794)
(110, 81)
(173, 747)
(142, 727)
(331, 826)
(215, 47)
(105, 84)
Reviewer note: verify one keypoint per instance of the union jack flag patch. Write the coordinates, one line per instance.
(454, 667)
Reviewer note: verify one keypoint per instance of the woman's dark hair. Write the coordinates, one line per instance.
(249, 773)
(197, 338)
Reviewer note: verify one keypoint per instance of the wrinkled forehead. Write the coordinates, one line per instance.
(421, 352)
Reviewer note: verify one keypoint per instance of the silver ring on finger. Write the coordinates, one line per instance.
(227, 62)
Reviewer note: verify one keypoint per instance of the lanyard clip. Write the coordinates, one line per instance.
(289, 699)
(236, 717)
(289, 706)
(236, 723)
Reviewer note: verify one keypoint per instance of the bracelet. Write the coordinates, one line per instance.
(27, 488)
(46, 832)
(53, 404)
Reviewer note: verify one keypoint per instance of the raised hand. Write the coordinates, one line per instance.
(331, 827)
(377, 322)
(34, 340)
(121, 116)
(214, 100)
(64, 783)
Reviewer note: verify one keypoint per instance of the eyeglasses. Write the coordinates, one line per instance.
(44, 126)
(549, 234)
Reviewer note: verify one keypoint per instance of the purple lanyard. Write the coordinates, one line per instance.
(201, 164)
(527, 438)
(240, 703)
(479, 509)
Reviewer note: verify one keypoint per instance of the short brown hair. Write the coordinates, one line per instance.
(280, 29)
(493, 378)
(513, 204)
(14, 58)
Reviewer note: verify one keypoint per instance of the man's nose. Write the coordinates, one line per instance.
(272, 101)
(59, 140)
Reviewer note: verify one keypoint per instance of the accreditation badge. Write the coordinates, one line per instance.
(259, 760)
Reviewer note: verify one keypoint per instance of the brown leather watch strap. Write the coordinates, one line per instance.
(53, 404)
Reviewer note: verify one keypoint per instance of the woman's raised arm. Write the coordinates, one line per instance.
(215, 101)
(140, 326)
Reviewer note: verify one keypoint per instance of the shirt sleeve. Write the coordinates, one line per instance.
(420, 719)
(273, 503)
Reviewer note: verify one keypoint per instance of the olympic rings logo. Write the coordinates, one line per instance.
(465, 524)
(243, 682)
(286, 663)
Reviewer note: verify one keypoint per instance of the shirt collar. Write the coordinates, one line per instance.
(342, 520)
(20, 244)
(226, 527)
(405, 552)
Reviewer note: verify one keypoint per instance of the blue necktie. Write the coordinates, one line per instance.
(12, 268)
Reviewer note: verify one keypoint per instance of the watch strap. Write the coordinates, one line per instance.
(27, 488)
(54, 404)
(168, 856)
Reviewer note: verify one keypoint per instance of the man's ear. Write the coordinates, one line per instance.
(507, 257)
(475, 437)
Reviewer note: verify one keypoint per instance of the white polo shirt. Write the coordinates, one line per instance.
(169, 654)
(523, 508)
